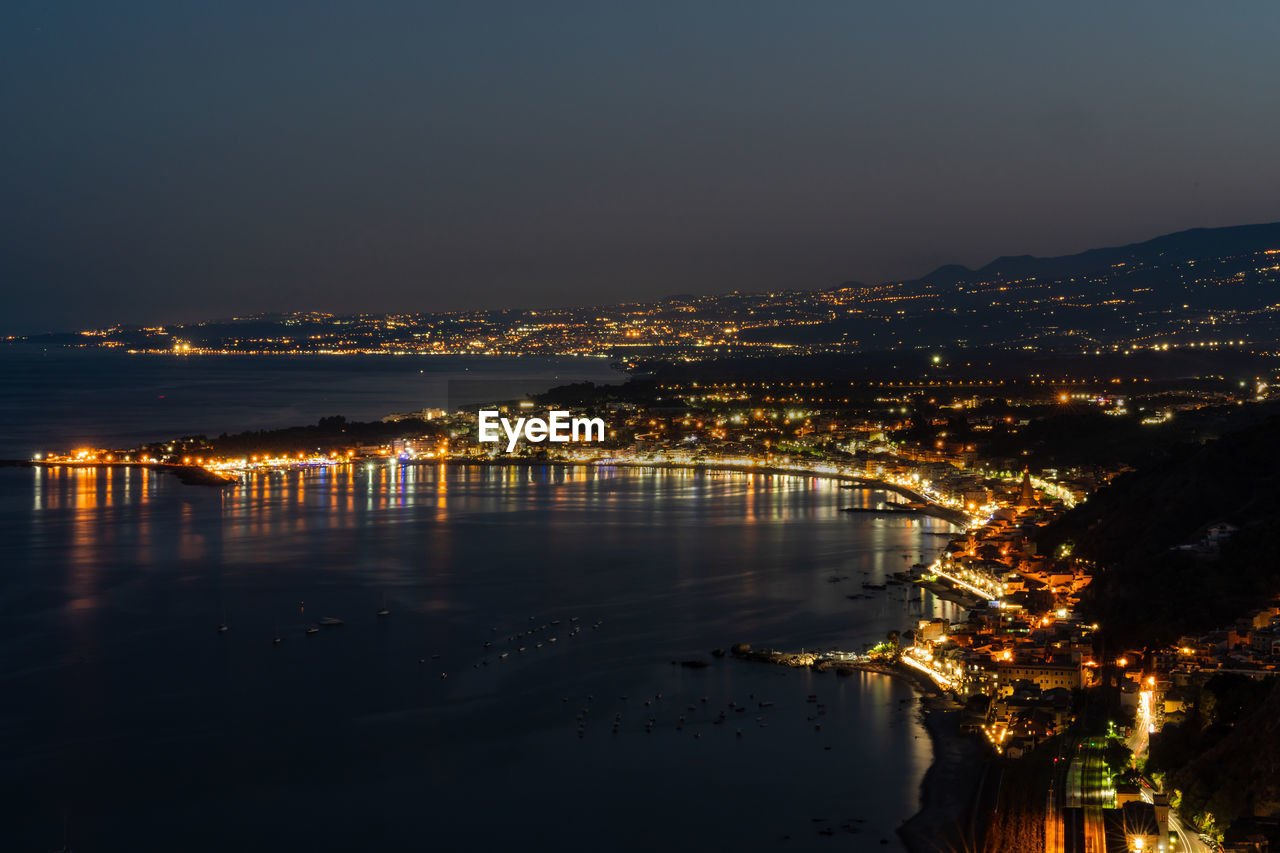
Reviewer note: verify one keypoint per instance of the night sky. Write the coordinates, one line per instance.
(169, 160)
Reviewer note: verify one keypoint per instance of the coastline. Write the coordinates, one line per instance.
(947, 791)
(191, 475)
(197, 475)
(946, 819)
(953, 516)
(948, 786)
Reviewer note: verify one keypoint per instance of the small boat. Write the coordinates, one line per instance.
(384, 612)
(222, 629)
(330, 621)
(312, 629)
(275, 640)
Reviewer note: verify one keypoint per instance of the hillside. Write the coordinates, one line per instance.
(1240, 775)
(1147, 589)
(1217, 283)
(1195, 244)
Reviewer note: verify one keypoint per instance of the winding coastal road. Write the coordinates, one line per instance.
(1188, 840)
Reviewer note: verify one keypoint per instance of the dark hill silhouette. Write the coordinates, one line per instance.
(1151, 589)
(1192, 244)
(1199, 287)
(1168, 285)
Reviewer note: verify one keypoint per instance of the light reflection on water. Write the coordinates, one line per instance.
(133, 711)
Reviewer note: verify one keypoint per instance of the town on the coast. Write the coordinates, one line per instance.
(1075, 733)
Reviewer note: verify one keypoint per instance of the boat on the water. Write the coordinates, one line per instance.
(330, 621)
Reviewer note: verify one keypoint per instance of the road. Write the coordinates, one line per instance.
(1186, 839)
(1140, 738)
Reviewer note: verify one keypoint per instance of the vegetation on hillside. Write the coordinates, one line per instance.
(1156, 576)
(1223, 761)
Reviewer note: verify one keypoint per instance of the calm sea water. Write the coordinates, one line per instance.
(130, 723)
(53, 399)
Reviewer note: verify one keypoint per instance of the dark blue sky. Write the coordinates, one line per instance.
(171, 160)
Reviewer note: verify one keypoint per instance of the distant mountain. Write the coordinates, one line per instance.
(1201, 286)
(1206, 287)
(1198, 244)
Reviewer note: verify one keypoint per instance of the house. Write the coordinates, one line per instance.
(1044, 675)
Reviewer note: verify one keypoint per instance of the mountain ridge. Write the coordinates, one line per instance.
(1232, 238)
(1192, 288)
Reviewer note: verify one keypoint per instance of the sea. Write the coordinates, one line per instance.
(61, 398)
(526, 688)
